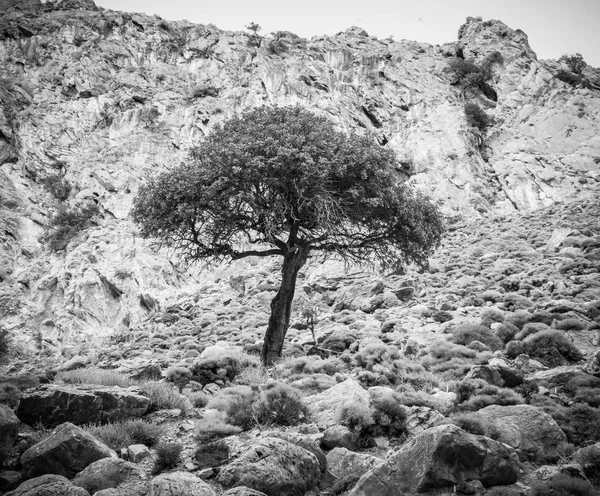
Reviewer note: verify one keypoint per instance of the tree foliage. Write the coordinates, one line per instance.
(284, 176)
(283, 181)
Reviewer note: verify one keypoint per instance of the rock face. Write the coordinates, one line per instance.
(530, 431)
(439, 457)
(67, 451)
(343, 463)
(95, 101)
(53, 404)
(275, 467)
(48, 485)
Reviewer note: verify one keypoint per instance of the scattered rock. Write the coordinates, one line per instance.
(440, 457)
(531, 432)
(138, 452)
(67, 451)
(275, 467)
(52, 404)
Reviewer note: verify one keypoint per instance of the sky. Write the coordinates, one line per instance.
(554, 27)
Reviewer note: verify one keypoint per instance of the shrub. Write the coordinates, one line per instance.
(506, 332)
(529, 329)
(552, 348)
(9, 394)
(198, 399)
(281, 404)
(575, 62)
(389, 413)
(204, 91)
(519, 318)
(563, 485)
(356, 416)
(163, 396)
(514, 349)
(466, 333)
(168, 456)
(95, 376)
(475, 424)
(213, 425)
(476, 116)
(474, 394)
(212, 454)
(4, 342)
(58, 186)
(589, 458)
(68, 222)
(491, 315)
(119, 435)
(580, 422)
(571, 324)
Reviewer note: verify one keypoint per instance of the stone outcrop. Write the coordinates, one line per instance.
(53, 404)
(439, 457)
(531, 432)
(67, 451)
(273, 466)
(95, 101)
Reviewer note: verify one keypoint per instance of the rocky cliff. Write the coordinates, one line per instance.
(93, 101)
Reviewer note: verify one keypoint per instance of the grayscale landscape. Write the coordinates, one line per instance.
(438, 331)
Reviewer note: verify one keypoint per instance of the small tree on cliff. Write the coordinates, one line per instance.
(283, 182)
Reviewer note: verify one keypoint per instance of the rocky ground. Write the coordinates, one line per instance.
(489, 357)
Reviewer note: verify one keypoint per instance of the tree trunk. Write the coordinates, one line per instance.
(281, 306)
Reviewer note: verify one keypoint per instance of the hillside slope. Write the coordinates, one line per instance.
(94, 101)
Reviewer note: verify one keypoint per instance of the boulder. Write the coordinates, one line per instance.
(592, 364)
(326, 406)
(138, 452)
(9, 479)
(53, 404)
(497, 372)
(421, 418)
(530, 431)
(67, 451)
(179, 484)
(243, 491)
(104, 474)
(303, 441)
(557, 376)
(273, 466)
(136, 489)
(440, 457)
(48, 485)
(339, 436)
(342, 463)
(9, 426)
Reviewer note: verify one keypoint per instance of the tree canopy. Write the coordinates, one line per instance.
(283, 181)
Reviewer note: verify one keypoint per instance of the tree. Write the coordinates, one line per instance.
(575, 63)
(283, 182)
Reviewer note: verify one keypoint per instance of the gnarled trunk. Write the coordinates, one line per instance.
(281, 306)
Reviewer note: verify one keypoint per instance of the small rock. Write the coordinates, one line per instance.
(339, 436)
(179, 484)
(104, 474)
(138, 452)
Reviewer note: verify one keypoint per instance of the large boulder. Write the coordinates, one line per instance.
(9, 427)
(497, 372)
(421, 418)
(273, 466)
(342, 463)
(326, 406)
(48, 485)
(67, 451)
(530, 431)
(53, 404)
(439, 457)
(104, 474)
(179, 484)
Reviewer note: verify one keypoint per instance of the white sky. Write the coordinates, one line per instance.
(554, 27)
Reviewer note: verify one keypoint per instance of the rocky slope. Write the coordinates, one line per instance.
(94, 101)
